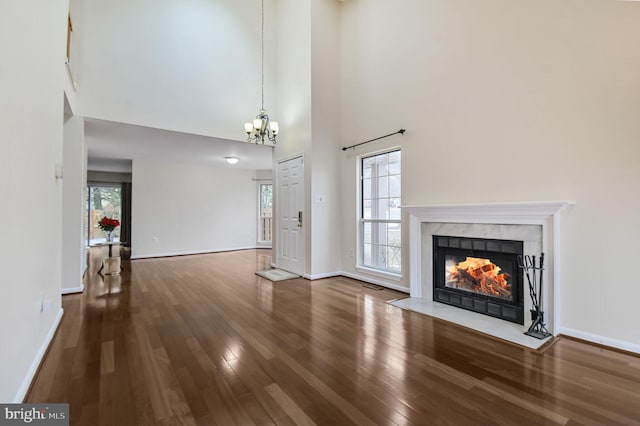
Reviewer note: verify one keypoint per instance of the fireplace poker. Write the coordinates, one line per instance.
(535, 281)
(540, 288)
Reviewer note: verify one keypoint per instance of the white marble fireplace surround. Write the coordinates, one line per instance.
(536, 224)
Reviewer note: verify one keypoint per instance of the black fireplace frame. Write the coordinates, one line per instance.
(502, 250)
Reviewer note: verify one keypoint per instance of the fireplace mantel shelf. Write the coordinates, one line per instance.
(492, 211)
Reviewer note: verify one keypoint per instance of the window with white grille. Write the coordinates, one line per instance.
(380, 224)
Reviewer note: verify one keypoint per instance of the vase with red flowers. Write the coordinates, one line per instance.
(108, 224)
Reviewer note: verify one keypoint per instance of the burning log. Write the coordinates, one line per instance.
(479, 275)
(464, 275)
(485, 269)
(504, 292)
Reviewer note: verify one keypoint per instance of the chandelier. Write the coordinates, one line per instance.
(261, 127)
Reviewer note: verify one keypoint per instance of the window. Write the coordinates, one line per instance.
(266, 207)
(103, 200)
(380, 225)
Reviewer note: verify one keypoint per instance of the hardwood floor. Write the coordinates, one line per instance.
(202, 340)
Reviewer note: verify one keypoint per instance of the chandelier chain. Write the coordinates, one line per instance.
(262, 50)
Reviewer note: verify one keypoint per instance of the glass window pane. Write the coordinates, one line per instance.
(366, 209)
(367, 166)
(382, 257)
(394, 186)
(366, 254)
(394, 163)
(395, 212)
(383, 187)
(382, 162)
(366, 232)
(394, 234)
(377, 256)
(383, 209)
(366, 189)
(379, 233)
(266, 199)
(394, 260)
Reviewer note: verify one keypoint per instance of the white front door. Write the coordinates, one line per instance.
(290, 199)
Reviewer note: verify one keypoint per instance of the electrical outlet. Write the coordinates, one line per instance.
(155, 240)
(46, 305)
(350, 252)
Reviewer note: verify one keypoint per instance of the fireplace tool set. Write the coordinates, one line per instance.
(531, 270)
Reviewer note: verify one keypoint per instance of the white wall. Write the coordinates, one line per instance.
(293, 107)
(512, 101)
(264, 175)
(293, 76)
(191, 208)
(32, 42)
(325, 103)
(308, 87)
(74, 185)
(190, 66)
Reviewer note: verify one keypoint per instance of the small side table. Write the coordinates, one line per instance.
(110, 264)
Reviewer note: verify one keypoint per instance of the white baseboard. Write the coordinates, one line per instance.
(606, 341)
(356, 277)
(321, 276)
(26, 383)
(187, 253)
(375, 281)
(71, 290)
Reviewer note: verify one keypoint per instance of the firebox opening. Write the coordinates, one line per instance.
(477, 275)
(480, 275)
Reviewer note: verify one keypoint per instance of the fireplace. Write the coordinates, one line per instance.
(536, 224)
(479, 275)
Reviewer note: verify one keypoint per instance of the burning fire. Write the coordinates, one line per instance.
(480, 276)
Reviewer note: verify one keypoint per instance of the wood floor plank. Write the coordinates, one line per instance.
(141, 394)
(200, 340)
(293, 411)
(107, 358)
(155, 388)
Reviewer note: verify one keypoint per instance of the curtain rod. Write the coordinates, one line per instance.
(401, 131)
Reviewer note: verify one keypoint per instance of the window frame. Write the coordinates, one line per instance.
(361, 220)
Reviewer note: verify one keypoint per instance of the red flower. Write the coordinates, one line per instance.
(107, 224)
